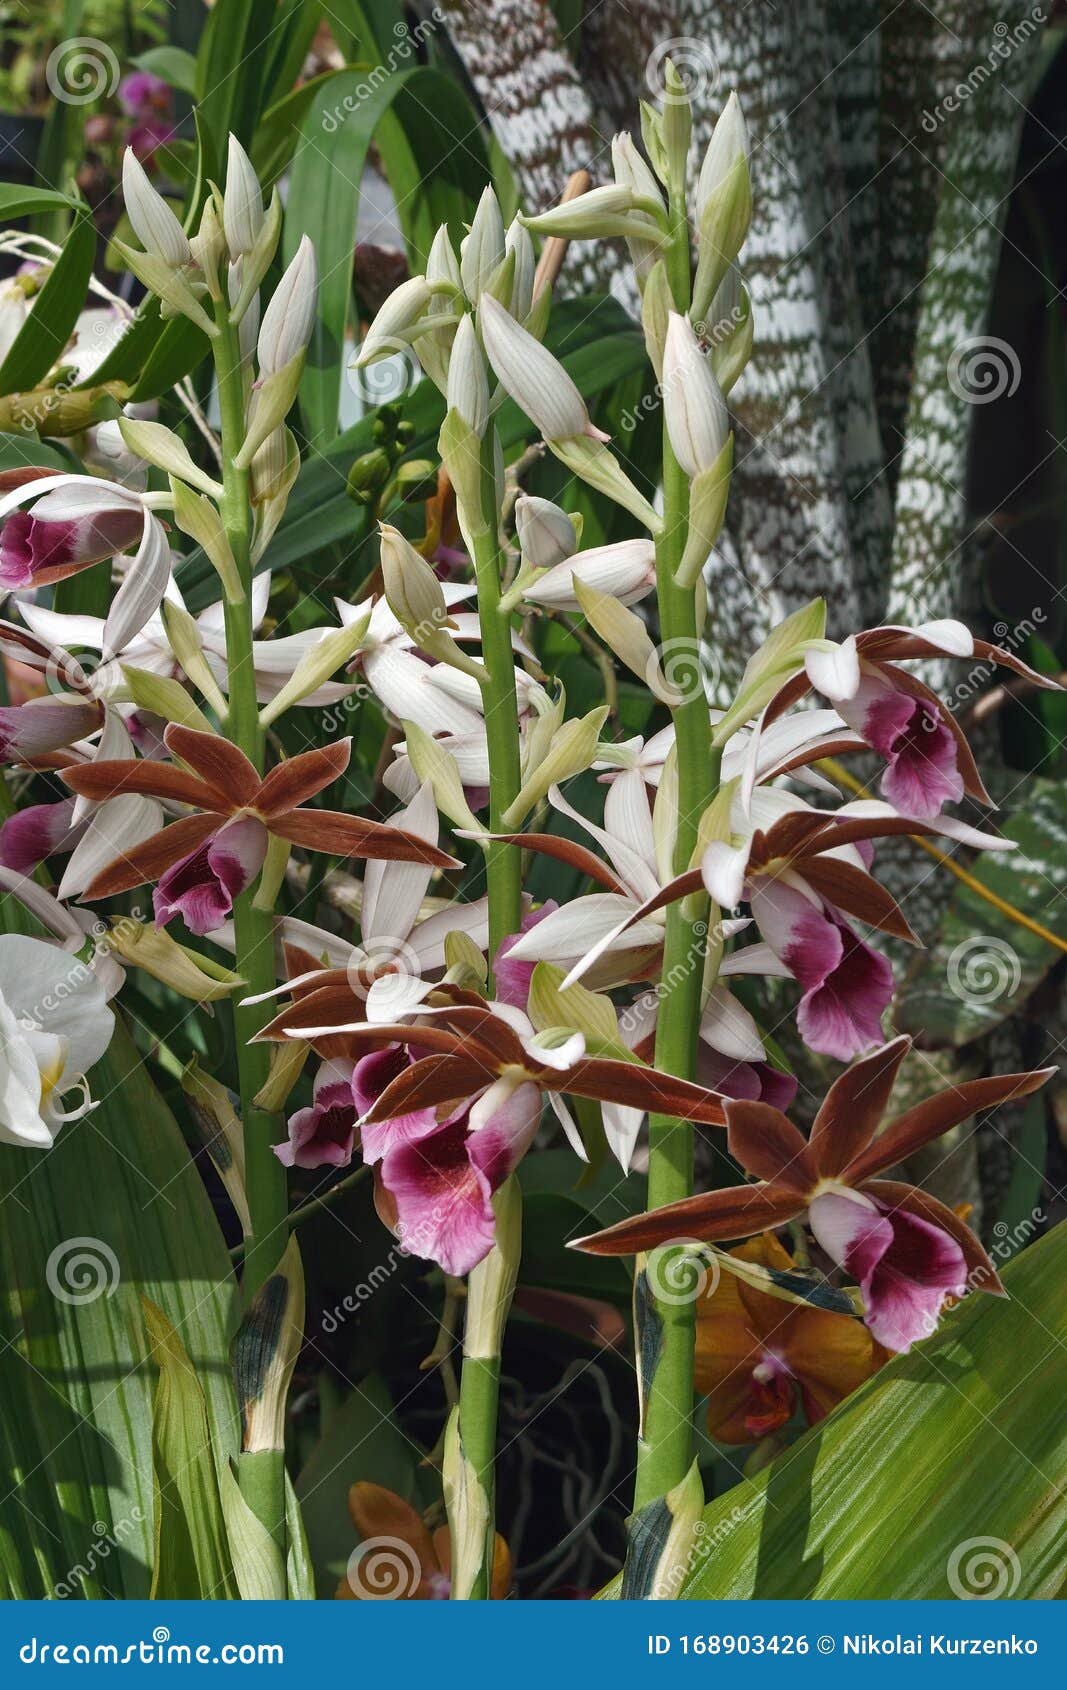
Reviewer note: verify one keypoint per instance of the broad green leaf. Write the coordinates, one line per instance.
(983, 966)
(230, 64)
(549, 1222)
(114, 1211)
(172, 65)
(323, 203)
(18, 200)
(946, 1468)
(192, 1556)
(258, 1566)
(16, 452)
(40, 342)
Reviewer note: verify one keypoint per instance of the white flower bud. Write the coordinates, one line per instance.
(442, 265)
(536, 380)
(603, 212)
(729, 141)
(546, 533)
(698, 422)
(468, 385)
(290, 316)
(631, 170)
(154, 223)
(400, 312)
(242, 202)
(482, 251)
(518, 241)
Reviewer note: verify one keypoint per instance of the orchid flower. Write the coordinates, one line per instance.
(54, 1025)
(380, 1516)
(907, 1251)
(803, 872)
(76, 521)
(928, 761)
(449, 1103)
(203, 862)
(759, 1359)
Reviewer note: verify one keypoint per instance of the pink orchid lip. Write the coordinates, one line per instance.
(201, 887)
(323, 1134)
(922, 761)
(35, 550)
(904, 1265)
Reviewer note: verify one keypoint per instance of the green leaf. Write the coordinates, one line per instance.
(16, 452)
(323, 203)
(114, 1211)
(17, 200)
(257, 1561)
(944, 1469)
(172, 65)
(43, 336)
(230, 64)
(983, 966)
(548, 1222)
(192, 1556)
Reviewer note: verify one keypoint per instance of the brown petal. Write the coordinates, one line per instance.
(981, 1274)
(738, 1211)
(493, 1034)
(298, 779)
(856, 892)
(565, 851)
(767, 1143)
(916, 1127)
(431, 1082)
(147, 861)
(128, 774)
(215, 760)
(1008, 660)
(854, 1105)
(326, 1003)
(612, 1081)
(353, 836)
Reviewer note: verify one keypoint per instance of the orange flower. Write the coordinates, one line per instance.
(758, 1357)
(400, 1559)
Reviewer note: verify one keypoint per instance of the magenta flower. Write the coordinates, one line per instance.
(907, 1251)
(31, 731)
(201, 887)
(31, 835)
(67, 530)
(322, 1135)
(921, 761)
(512, 977)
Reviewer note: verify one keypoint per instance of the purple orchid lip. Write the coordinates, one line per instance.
(35, 550)
(201, 887)
(904, 1265)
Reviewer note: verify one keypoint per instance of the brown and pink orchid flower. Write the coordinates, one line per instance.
(446, 1106)
(907, 1252)
(803, 873)
(928, 761)
(202, 862)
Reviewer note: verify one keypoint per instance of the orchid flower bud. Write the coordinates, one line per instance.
(290, 316)
(534, 378)
(208, 248)
(729, 142)
(517, 242)
(442, 265)
(724, 205)
(694, 409)
(603, 212)
(400, 312)
(416, 599)
(154, 223)
(483, 249)
(546, 533)
(468, 385)
(631, 170)
(677, 122)
(242, 203)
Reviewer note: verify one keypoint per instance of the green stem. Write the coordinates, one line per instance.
(265, 1181)
(664, 1451)
(479, 1389)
